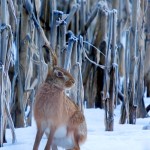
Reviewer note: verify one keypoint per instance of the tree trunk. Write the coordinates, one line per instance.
(147, 50)
(3, 51)
(100, 41)
(110, 101)
(132, 72)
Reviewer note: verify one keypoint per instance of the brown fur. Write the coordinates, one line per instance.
(53, 108)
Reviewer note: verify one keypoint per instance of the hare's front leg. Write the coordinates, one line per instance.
(38, 138)
(50, 138)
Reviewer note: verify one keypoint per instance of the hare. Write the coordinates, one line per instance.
(56, 115)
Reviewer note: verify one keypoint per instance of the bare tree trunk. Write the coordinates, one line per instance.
(6, 39)
(141, 111)
(100, 41)
(122, 59)
(68, 52)
(80, 91)
(74, 9)
(125, 105)
(1, 95)
(3, 52)
(75, 72)
(56, 16)
(115, 4)
(89, 21)
(147, 50)
(24, 43)
(110, 102)
(132, 72)
(62, 43)
(82, 15)
(105, 93)
(1, 105)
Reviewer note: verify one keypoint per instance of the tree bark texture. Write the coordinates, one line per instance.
(133, 64)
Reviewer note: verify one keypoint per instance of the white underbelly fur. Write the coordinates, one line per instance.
(61, 139)
(65, 142)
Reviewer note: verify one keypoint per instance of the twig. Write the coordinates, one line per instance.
(94, 47)
(101, 66)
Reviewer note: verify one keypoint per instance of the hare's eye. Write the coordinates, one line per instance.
(60, 74)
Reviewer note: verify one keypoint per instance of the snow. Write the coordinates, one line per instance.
(124, 137)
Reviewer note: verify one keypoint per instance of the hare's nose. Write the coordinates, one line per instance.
(73, 81)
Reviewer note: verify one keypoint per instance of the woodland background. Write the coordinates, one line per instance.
(104, 44)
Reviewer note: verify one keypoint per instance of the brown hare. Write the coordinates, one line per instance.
(56, 115)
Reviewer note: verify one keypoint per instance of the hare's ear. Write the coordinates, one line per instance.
(50, 69)
(54, 59)
(52, 55)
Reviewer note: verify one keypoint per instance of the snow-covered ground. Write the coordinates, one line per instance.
(124, 137)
